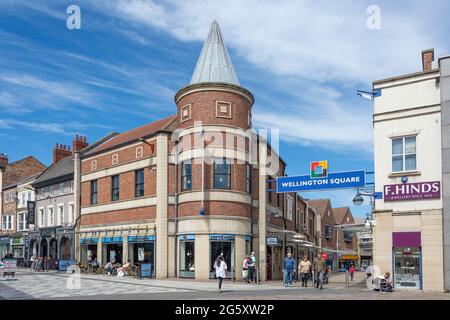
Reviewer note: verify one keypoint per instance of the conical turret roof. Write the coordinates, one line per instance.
(214, 63)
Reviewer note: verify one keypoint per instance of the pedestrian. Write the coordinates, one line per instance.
(288, 269)
(251, 267)
(352, 272)
(304, 269)
(245, 275)
(318, 267)
(221, 267)
(109, 267)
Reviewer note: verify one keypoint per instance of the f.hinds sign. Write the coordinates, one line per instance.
(412, 191)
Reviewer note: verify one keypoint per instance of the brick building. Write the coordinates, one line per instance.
(328, 230)
(12, 174)
(346, 240)
(178, 192)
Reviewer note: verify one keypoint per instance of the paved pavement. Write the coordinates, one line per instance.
(54, 285)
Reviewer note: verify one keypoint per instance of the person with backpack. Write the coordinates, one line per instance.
(251, 268)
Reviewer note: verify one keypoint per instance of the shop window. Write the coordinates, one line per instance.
(186, 175)
(115, 188)
(139, 183)
(94, 191)
(404, 157)
(187, 259)
(226, 249)
(222, 174)
(407, 267)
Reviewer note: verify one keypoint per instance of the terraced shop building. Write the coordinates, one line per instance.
(155, 195)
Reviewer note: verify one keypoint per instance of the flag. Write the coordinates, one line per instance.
(365, 94)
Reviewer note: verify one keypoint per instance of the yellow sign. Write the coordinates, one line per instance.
(349, 257)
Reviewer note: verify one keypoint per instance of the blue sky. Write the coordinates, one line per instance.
(302, 60)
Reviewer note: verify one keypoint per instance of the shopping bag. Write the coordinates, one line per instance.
(244, 274)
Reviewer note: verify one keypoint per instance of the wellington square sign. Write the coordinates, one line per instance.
(321, 179)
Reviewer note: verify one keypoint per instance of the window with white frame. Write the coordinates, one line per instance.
(71, 186)
(7, 221)
(61, 188)
(41, 217)
(22, 199)
(29, 196)
(404, 157)
(71, 213)
(22, 223)
(51, 216)
(290, 207)
(60, 214)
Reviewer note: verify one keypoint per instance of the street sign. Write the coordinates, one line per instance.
(272, 241)
(336, 180)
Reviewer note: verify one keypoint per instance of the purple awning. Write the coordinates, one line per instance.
(406, 239)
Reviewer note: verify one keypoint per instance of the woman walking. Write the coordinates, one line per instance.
(304, 269)
(221, 268)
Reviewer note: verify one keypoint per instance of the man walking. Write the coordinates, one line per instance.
(318, 267)
(288, 269)
(251, 267)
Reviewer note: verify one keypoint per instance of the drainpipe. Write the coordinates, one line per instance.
(176, 211)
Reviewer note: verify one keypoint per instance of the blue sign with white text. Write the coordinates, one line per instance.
(336, 180)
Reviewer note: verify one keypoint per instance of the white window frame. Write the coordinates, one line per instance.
(22, 226)
(41, 211)
(50, 216)
(404, 154)
(58, 217)
(71, 213)
(61, 190)
(9, 221)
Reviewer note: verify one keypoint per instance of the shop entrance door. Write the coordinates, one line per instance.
(226, 249)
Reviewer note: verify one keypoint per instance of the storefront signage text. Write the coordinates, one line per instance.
(412, 191)
(337, 180)
(272, 241)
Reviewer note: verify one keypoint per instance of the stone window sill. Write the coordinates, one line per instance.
(405, 174)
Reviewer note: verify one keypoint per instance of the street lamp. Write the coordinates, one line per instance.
(358, 200)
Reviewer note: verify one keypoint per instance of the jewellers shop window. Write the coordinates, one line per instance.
(94, 191)
(186, 175)
(115, 188)
(404, 157)
(222, 174)
(139, 183)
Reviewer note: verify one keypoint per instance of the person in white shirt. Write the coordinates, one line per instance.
(221, 267)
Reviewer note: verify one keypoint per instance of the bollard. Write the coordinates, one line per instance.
(347, 282)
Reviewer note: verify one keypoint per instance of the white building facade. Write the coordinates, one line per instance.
(408, 234)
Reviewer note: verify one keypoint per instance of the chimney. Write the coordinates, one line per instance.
(79, 142)
(3, 160)
(60, 151)
(427, 59)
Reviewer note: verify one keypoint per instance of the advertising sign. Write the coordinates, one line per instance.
(64, 264)
(31, 209)
(336, 180)
(9, 265)
(272, 241)
(412, 191)
(146, 270)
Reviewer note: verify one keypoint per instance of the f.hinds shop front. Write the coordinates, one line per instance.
(408, 235)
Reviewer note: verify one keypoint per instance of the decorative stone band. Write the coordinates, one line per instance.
(120, 205)
(215, 224)
(196, 153)
(209, 86)
(135, 165)
(209, 128)
(228, 196)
